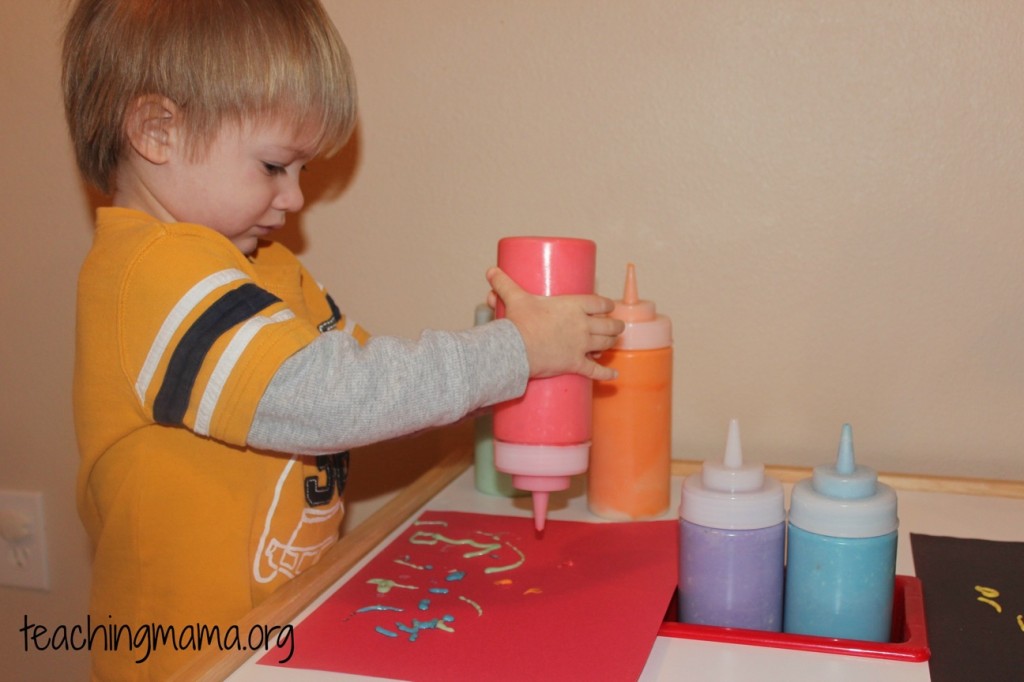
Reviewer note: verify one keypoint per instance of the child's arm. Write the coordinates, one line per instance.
(561, 333)
(334, 394)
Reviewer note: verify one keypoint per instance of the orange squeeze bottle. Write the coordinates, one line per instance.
(631, 449)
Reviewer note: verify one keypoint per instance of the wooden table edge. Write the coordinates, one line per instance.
(983, 487)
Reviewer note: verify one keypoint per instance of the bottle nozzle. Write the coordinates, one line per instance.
(632, 308)
(732, 475)
(845, 464)
(733, 449)
(540, 509)
(845, 480)
(630, 295)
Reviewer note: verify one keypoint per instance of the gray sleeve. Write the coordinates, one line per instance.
(335, 394)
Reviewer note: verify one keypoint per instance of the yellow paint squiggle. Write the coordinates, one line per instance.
(384, 585)
(479, 609)
(425, 538)
(988, 596)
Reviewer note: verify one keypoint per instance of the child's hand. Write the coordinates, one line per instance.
(562, 333)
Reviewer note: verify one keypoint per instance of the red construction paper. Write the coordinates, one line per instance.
(582, 601)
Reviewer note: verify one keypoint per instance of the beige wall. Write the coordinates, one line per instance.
(824, 196)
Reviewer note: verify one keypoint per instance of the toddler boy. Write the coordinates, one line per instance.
(217, 386)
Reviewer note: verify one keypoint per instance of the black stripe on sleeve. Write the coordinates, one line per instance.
(232, 308)
(332, 322)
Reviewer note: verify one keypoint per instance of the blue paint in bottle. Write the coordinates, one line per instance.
(841, 563)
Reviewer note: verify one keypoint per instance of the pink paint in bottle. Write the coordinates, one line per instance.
(543, 437)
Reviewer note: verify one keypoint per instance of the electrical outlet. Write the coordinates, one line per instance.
(23, 540)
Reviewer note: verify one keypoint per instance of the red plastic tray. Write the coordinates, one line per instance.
(909, 640)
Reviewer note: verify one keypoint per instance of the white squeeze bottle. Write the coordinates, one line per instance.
(732, 539)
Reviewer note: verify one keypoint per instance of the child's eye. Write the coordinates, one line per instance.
(273, 168)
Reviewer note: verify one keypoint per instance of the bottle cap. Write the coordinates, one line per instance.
(844, 499)
(733, 495)
(645, 328)
(541, 469)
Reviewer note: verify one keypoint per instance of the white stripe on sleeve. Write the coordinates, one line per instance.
(226, 365)
(181, 310)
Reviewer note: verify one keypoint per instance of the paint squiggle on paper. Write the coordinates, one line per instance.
(479, 609)
(384, 585)
(370, 608)
(419, 625)
(481, 544)
(498, 569)
(378, 607)
(405, 561)
(425, 538)
(421, 537)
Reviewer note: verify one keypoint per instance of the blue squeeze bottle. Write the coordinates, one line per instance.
(841, 564)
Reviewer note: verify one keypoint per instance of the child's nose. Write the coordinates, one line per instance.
(290, 198)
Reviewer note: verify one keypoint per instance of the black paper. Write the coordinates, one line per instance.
(974, 607)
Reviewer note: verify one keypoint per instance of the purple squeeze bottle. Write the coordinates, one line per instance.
(732, 535)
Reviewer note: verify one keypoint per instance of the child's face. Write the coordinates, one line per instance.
(244, 183)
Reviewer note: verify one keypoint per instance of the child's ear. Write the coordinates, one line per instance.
(152, 125)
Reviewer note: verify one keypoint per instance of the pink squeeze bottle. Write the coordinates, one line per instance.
(543, 437)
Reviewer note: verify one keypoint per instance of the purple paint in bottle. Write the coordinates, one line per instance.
(732, 536)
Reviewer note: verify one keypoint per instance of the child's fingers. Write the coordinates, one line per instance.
(593, 370)
(606, 326)
(503, 285)
(599, 344)
(596, 305)
(560, 328)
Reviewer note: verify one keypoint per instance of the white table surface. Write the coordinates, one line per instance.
(933, 513)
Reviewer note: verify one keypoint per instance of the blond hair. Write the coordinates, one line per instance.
(217, 60)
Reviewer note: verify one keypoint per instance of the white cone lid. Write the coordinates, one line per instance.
(844, 500)
(732, 495)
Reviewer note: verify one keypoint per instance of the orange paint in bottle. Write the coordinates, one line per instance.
(631, 449)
